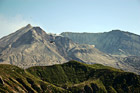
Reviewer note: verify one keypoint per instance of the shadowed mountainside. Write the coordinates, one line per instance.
(123, 45)
(115, 42)
(133, 61)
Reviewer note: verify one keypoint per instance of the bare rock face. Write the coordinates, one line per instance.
(133, 61)
(32, 46)
(115, 42)
(125, 46)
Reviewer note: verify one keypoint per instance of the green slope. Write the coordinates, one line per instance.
(78, 77)
(72, 77)
(14, 79)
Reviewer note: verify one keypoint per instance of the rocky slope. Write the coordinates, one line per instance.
(71, 77)
(30, 46)
(123, 45)
(115, 42)
(133, 61)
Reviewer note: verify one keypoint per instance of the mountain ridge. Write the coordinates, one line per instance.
(115, 42)
(69, 77)
(31, 46)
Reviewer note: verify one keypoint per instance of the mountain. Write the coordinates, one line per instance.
(32, 46)
(70, 77)
(125, 46)
(115, 42)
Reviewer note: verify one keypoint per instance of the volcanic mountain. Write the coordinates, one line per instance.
(115, 42)
(30, 46)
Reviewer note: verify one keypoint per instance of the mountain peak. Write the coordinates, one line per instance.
(29, 26)
(116, 31)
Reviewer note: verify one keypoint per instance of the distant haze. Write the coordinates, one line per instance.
(58, 16)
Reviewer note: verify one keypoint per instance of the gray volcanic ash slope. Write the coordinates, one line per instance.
(32, 46)
(115, 42)
(121, 44)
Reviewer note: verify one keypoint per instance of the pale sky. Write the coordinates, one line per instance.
(56, 16)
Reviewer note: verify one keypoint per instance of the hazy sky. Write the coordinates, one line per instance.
(58, 16)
